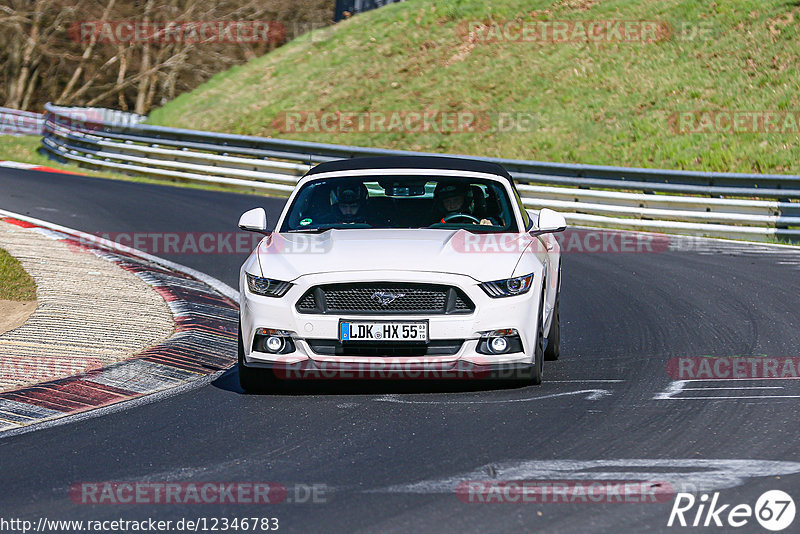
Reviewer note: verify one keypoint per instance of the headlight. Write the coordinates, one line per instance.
(266, 286)
(509, 287)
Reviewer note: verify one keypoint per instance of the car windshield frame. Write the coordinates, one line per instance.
(504, 220)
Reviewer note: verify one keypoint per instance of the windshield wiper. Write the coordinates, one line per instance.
(309, 230)
(482, 230)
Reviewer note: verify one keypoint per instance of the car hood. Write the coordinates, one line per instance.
(484, 257)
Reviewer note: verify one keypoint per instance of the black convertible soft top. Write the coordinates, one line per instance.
(412, 162)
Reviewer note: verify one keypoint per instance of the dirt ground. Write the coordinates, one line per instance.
(14, 314)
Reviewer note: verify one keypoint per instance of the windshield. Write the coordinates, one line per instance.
(401, 202)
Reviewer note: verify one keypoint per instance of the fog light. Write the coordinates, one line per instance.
(498, 345)
(274, 344)
(500, 341)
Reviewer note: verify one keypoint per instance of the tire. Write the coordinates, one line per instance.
(251, 380)
(533, 374)
(553, 350)
(538, 366)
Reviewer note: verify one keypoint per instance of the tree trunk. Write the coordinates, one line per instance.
(26, 101)
(123, 69)
(65, 96)
(18, 88)
(141, 96)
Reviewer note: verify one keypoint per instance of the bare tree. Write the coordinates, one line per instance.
(50, 53)
(85, 57)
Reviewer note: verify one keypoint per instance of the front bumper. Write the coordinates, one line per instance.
(519, 312)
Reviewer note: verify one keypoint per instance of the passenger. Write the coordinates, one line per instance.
(453, 202)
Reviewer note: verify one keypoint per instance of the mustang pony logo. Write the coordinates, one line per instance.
(385, 298)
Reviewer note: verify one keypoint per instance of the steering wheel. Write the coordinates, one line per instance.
(467, 216)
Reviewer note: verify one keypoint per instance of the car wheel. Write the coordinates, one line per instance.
(553, 350)
(251, 380)
(538, 365)
(532, 375)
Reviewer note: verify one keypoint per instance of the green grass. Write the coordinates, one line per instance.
(604, 103)
(15, 283)
(24, 149)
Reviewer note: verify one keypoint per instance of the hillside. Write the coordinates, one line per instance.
(609, 101)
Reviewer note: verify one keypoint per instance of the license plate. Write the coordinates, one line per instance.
(383, 331)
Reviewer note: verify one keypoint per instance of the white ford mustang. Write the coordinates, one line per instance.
(401, 267)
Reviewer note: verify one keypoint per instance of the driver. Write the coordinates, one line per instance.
(349, 204)
(452, 199)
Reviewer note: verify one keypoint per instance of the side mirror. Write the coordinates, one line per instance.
(254, 220)
(550, 222)
(533, 215)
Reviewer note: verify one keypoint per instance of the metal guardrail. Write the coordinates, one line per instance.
(16, 122)
(686, 202)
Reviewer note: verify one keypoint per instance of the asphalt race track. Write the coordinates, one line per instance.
(390, 455)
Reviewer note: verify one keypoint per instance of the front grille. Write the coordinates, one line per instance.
(368, 299)
(308, 302)
(332, 347)
(382, 298)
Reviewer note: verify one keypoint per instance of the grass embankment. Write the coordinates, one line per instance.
(15, 283)
(597, 103)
